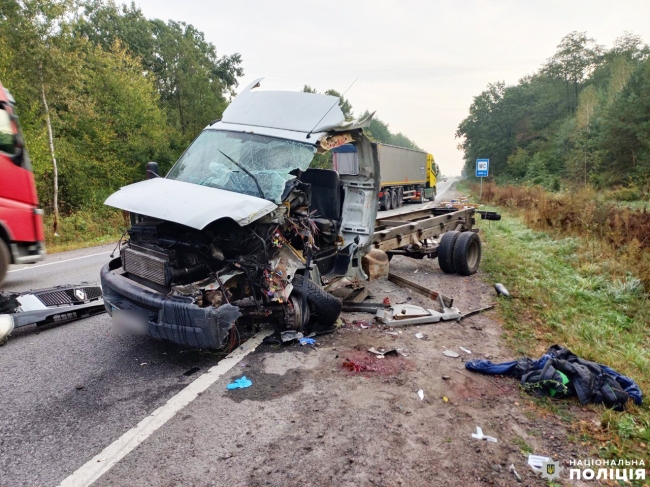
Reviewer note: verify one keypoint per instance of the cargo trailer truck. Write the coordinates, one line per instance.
(21, 220)
(407, 175)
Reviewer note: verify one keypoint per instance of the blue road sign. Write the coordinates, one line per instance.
(482, 166)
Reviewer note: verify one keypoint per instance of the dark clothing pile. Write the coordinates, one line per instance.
(560, 373)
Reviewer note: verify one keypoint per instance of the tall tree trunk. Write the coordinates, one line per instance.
(55, 169)
(180, 109)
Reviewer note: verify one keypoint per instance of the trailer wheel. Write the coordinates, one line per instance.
(4, 259)
(421, 190)
(467, 253)
(400, 197)
(393, 196)
(324, 309)
(387, 200)
(446, 252)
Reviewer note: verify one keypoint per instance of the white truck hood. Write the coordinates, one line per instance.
(188, 204)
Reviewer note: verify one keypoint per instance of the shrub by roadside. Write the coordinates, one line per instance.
(84, 229)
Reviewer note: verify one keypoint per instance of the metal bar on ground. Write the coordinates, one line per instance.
(476, 311)
(401, 281)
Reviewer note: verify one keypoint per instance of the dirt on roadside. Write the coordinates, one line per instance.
(366, 425)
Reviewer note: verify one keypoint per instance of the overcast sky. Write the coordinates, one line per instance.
(418, 63)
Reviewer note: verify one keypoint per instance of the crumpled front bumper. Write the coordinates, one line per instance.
(173, 318)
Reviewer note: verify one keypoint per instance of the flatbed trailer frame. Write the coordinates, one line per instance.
(413, 233)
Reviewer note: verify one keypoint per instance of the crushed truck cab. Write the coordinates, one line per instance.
(242, 229)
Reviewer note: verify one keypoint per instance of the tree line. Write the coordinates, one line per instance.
(101, 90)
(582, 118)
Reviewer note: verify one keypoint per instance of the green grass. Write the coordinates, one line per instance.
(84, 229)
(566, 293)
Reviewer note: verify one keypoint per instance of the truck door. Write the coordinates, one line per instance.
(360, 204)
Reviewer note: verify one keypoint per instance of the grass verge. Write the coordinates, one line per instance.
(567, 292)
(84, 229)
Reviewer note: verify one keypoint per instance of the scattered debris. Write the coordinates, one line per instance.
(511, 468)
(290, 336)
(536, 461)
(353, 307)
(307, 341)
(421, 395)
(476, 311)
(387, 301)
(381, 353)
(451, 354)
(407, 300)
(446, 301)
(143, 363)
(408, 314)
(241, 383)
(394, 333)
(420, 335)
(445, 377)
(445, 399)
(559, 373)
(58, 305)
(501, 290)
(480, 436)
(465, 350)
(79, 387)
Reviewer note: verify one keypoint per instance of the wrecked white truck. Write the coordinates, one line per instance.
(229, 233)
(242, 230)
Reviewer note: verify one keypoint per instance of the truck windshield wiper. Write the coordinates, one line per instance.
(259, 188)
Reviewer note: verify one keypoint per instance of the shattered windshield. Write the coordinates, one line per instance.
(251, 164)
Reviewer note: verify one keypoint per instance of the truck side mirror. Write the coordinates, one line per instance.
(152, 170)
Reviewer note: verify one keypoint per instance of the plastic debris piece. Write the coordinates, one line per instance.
(451, 354)
(445, 377)
(241, 383)
(307, 341)
(512, 469)
(536, 461)
(290, 336)
(386, 301)
(420, 335)
(445, 399)
(480, 436)
(501, 290)
(394, 333)
(421, 395)
(465, 350)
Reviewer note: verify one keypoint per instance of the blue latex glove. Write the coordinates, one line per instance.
(307, 341)
(240, 383)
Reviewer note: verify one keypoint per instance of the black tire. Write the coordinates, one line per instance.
(467, 253)
(400, 197)
(393, 198)
(387, 200)
(446, 252)
(324, 309)
(5, 258)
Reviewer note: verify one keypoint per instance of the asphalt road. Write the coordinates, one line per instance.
(69, 391)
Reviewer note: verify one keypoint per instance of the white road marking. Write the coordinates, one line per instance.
(100, 464)
(57, 262)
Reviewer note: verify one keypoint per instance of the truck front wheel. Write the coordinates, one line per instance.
(324, 309)
(387, 200)
(393, 196)
(5, 258)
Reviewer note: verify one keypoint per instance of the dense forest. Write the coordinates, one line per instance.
(102, 90)
(583, 118)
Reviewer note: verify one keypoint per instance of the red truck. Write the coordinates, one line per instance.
(21, 220)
